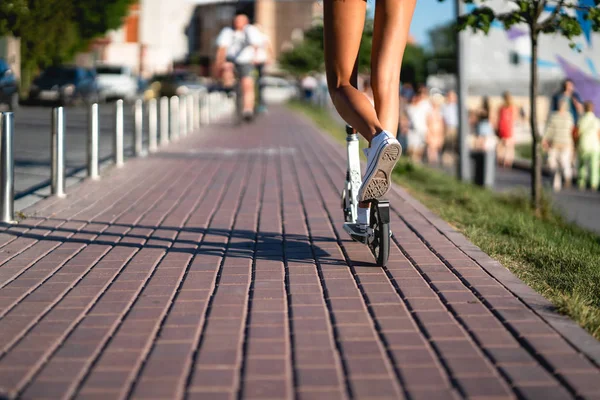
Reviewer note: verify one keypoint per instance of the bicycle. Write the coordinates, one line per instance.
(239, 101)
(378, 235)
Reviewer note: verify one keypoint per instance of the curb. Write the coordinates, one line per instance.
(565, 326)
(576, 336)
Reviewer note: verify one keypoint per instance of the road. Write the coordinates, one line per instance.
(579, 207)
(32, 146)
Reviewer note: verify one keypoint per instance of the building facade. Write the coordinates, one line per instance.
(507, 61)
(157, 34)
(152, 38)
(283, 21)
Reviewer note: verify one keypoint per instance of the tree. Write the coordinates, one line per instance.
(95, 18)
(413, 65)
(52, 31)
(559, 20)
(442, 55)
(307, 56)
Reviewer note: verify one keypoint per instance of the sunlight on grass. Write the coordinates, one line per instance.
(556, 258)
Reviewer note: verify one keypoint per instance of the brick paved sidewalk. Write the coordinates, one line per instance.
(218, 269)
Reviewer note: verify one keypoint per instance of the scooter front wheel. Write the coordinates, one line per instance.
(380, 224)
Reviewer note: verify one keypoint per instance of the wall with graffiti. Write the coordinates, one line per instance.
(501, 60)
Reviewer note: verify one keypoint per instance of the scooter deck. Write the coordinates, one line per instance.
(364, 239)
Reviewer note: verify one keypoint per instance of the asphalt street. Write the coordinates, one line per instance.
(581, 207)
(32, 146)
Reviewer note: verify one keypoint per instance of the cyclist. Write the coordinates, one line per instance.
(263, 58)
(343, 24)
(239, 44)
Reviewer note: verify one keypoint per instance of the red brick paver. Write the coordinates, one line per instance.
(217, 269)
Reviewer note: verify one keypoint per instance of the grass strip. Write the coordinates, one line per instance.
(556, 258)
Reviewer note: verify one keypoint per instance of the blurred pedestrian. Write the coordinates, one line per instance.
(558, 141)
(505, 130)
(589, 148)
(450, 114)
(368, 90)
(264, 56)
(309, 83)
(407, 92)
(435, 129)
(483, 127)
(323, 91)
(418, 111)
(568, 94)
(403, 125)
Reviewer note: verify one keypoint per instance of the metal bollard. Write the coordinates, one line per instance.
(211, 111)
(183, 127)
(7, 168)
(197, 111)
(57, 147)
(164, 120)
(152, 125)
(92, 144)
(206, 108)
(201, 103)
(138, 114)
(174, 103)
(118, 138)
(189, 101)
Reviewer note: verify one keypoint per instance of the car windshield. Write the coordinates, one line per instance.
(109, 70)
(56, 73)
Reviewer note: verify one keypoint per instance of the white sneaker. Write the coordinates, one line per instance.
(381, 159)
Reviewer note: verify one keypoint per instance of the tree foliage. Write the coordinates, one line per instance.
(558, 17)
(52, 31)
(96, 17)
(560, 20)
(441, 57)
(307, 56)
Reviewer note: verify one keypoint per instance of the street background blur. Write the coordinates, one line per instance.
(58, 52)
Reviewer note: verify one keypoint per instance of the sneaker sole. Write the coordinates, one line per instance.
(378, 183)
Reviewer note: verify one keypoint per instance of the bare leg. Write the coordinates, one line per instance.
(248, 93)
(392, 22)
(509, 152)
(343, 27)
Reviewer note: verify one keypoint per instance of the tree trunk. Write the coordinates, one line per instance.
(536, 168)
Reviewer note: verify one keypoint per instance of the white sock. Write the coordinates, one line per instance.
(362, 216)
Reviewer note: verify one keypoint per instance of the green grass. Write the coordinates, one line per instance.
(523, 150)
(556, 258)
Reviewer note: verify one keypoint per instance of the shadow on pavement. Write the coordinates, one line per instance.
(269, 245)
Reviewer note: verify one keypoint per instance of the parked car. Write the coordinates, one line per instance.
(277, 90)
(9, 87)
(116, 82)
(66, 85)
